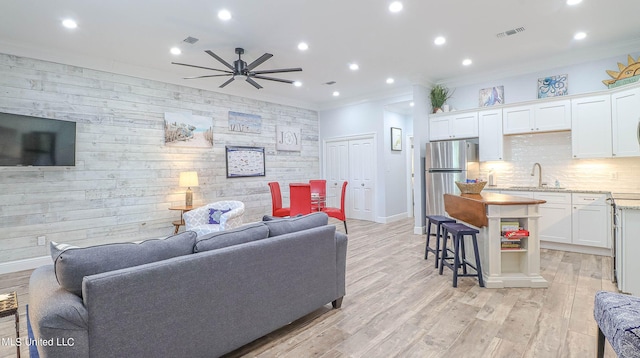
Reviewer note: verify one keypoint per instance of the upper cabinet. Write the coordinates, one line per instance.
(546, 116)
(490, 135)
(625, 111)
(453, 126)
(591, 127)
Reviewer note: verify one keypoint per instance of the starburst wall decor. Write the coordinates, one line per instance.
(628, 73)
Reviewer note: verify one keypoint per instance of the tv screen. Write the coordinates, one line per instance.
(33, 141)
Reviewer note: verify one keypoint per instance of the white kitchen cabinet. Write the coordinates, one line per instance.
(591, 127)
(453, 126)
(625, 106)
(490, 135)
(627, 251)
(546, 116)
(555, 217)
(591, 220)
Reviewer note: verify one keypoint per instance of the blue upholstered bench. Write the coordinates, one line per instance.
(618, 318)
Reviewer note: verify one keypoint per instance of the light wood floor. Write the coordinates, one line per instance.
(398, 306)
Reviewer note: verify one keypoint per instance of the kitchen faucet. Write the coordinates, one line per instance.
(533, 173)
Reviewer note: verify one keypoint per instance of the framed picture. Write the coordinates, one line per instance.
(491, 96)
(245, 162)
(396, 138)
(553, 86)
(188, 130)
(245, 122)
(288, 138)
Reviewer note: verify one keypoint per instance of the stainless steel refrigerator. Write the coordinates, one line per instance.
(447, 162)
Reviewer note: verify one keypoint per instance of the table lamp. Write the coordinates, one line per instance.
(189, 179)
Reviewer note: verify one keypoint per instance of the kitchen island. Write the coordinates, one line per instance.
(489, 213)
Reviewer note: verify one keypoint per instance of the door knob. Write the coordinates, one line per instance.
(362, 184)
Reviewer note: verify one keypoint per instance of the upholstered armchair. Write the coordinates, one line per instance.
(218, 216)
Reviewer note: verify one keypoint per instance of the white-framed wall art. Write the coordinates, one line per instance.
(288, 138)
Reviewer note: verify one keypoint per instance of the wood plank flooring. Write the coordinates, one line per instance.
(398, 306)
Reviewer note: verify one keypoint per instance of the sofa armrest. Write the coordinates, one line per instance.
(341, 262)
(232, 219)
(57, 316)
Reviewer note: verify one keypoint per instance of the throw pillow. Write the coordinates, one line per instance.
(287, 225)
(71, 264)
(215, 214)
(240, 235)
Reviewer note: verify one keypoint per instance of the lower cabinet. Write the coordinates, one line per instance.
(591, 220)
(627, 248)
(555, 217)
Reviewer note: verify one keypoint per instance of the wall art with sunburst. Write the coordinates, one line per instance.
(628, 73)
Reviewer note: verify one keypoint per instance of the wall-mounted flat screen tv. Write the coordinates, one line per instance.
(34, 141)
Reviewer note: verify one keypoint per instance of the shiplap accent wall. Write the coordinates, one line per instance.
(553, 152)
(125, 179)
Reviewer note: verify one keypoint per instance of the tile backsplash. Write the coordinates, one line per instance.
(553, 152)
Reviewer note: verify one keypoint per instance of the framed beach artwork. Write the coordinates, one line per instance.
(553, 86)
(396, 139)
(188, 130)
(245, 122)
(491, 96)
(245, 162)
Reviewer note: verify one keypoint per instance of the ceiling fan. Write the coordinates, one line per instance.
(241, 69)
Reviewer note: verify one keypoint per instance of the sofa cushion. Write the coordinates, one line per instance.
(73, 263)
(215, 214)
(287, 225)
(240, 235)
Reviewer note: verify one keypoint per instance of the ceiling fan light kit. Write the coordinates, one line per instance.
(242, 70)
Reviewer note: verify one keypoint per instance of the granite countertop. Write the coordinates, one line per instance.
(628, 204)
(546, 188)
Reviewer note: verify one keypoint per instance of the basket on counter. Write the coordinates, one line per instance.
(471, 188)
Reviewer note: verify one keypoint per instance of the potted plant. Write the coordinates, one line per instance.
(439, 95)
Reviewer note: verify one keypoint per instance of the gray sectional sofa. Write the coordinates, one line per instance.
(185, 296)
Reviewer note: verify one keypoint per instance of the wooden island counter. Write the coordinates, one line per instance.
(487, 212)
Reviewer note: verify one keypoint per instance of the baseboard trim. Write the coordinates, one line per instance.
(576, 248)
(389, 219)
(419, 230)
(25, 264)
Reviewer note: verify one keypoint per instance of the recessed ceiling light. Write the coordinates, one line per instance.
(224, 15)
(390, 80)
(297, 83)
(411, 104)
(302, 46)
(439, 40)
(580, 35)
(336, 93)
(354, 67)
(175, 51)
(69, 24)
(466, 62)
(573, 2)
(395, 6)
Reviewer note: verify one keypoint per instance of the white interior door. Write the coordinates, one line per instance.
(361, 179)
(336, 170)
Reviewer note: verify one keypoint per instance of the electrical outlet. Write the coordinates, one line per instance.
(42, 240)
(614, 175)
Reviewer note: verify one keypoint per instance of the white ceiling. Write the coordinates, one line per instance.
(134, 38)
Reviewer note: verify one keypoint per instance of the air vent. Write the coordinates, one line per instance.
(330, 83)
(190, 40)
(510, 32)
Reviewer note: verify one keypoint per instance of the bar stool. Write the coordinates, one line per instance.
(437, 220)
(458, 232)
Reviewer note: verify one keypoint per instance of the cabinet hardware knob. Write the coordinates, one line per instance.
(362, 184)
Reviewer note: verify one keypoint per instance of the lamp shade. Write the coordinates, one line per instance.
(188, 179)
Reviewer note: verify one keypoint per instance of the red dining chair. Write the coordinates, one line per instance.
(339, 213)
(276, 201)
(300, 198)
(318, 193)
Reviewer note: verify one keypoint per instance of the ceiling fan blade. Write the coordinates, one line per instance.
(272, 79)
(227, 82)
(206, 76)
(204, 68)
(277, 71)
(259, 61)
(219, 59)
(254, 83)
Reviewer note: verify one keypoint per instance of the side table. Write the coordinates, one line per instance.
(8, 307)
(183, 209)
